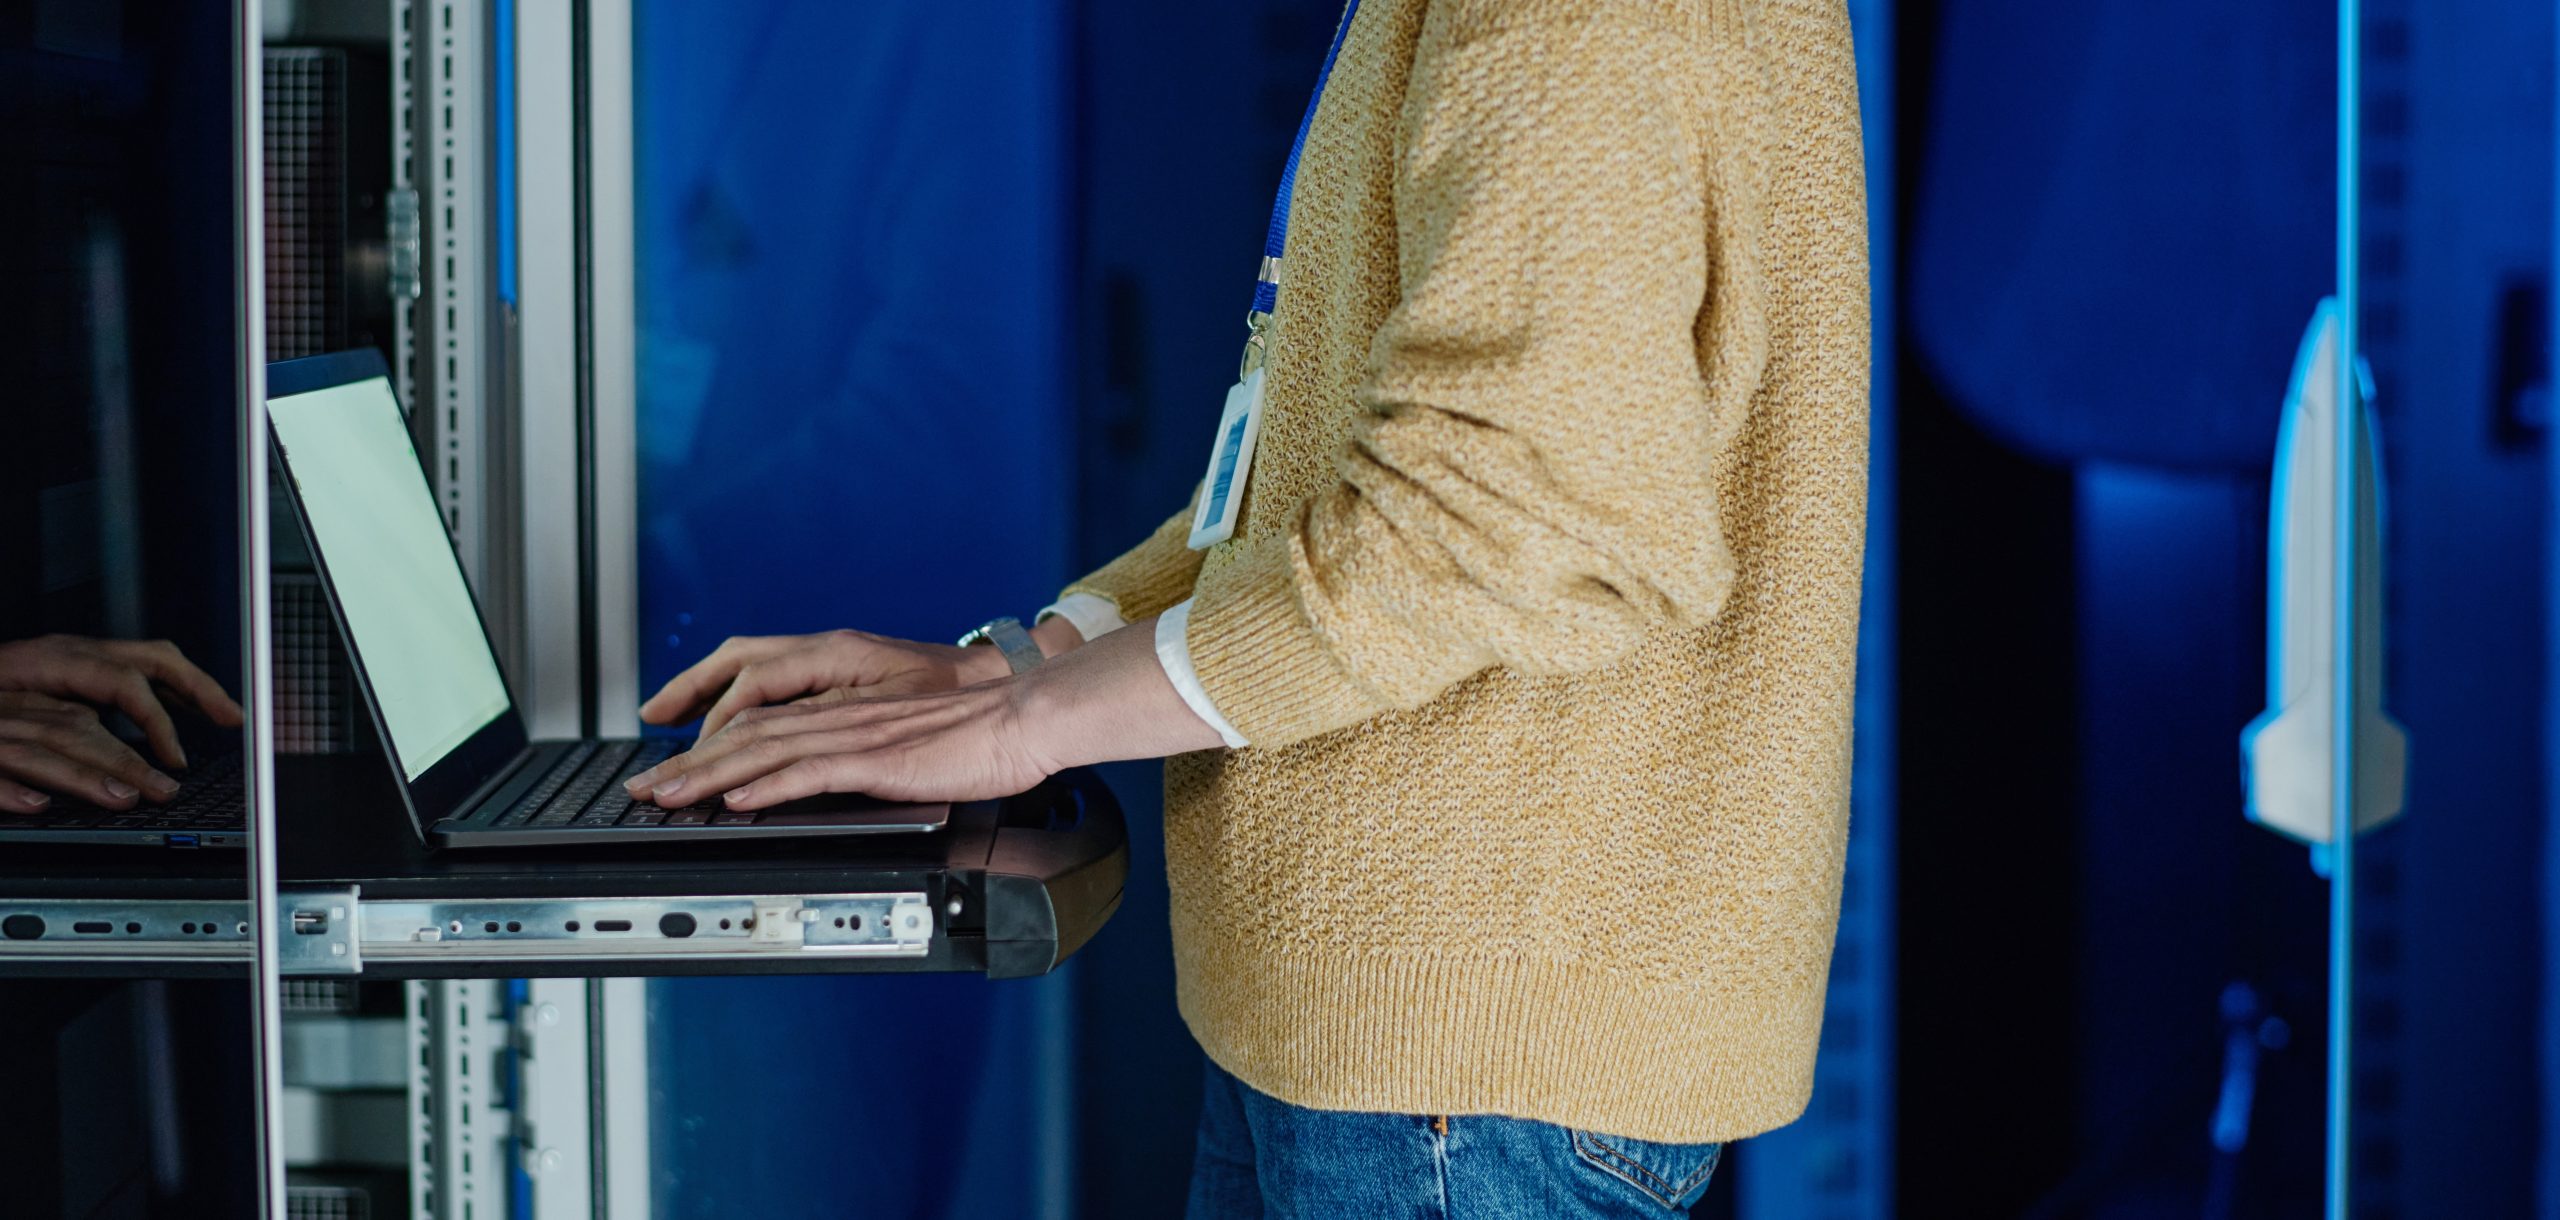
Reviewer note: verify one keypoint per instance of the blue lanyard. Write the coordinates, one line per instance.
(1266, 287)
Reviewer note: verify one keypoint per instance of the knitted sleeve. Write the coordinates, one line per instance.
(1147, 579)
(1580, 328)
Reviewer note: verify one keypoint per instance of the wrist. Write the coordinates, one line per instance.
(1039, 706)
(981, 663)
(1109, 701)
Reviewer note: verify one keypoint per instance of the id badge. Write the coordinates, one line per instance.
(1230, 463)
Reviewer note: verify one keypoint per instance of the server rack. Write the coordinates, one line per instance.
(458, 1037)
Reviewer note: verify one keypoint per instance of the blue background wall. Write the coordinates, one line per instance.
(854, 412)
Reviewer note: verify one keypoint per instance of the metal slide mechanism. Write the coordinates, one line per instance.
(337, 931)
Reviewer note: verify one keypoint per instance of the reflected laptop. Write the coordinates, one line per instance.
(447, 721)
(208, 811)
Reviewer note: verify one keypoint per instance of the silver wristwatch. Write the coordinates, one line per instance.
(1011, 640)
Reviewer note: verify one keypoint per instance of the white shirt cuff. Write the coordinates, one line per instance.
(1173, 651)
(1092, 614)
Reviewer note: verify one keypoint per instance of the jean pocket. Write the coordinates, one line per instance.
(1673, 1175)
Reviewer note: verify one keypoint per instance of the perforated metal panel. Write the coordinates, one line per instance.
(315, 705)
(306, 184)
(443, 345)
(326, 177)
(458, 1121)
(320, 996)
(327, 1203)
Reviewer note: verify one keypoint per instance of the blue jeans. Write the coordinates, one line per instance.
(1261, 1157)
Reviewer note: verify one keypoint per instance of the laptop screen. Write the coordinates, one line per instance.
(398, 585)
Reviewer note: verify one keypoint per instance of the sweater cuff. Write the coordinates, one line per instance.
(1173, 651)
(1260, 659)
(1091, 614)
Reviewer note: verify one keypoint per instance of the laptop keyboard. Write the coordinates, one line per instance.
(209, 798)
(583, 791)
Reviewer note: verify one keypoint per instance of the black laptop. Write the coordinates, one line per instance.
(447, 721)
(446, 718)
(207, 812)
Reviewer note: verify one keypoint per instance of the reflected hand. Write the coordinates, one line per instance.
(62, 747)
(50, 732)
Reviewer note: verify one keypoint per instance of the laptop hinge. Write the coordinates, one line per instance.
(512, 781)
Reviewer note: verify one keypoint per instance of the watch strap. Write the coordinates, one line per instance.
(1007, 634)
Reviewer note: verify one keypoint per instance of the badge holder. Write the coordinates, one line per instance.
(1231, 456)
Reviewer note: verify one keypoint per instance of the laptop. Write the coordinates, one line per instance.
(468, 773)
(448, 723)
(209, 811)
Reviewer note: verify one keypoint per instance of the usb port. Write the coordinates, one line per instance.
(183, 840)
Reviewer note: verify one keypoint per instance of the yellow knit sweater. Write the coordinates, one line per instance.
(1542, 614)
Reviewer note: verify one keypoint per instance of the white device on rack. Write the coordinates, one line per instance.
(2288, 747)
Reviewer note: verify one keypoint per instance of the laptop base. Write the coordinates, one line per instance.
(563, 793)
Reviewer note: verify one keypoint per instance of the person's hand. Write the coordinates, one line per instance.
(1107, 700)
(749, 671)
(830, 667)
(51, 736)
(947, 745)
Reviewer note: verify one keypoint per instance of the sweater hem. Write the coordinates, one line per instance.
(1564, 1042)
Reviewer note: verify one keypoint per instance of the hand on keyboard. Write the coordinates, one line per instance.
(1106, 700)
(828, 667)
(52, 740)
(584, 790)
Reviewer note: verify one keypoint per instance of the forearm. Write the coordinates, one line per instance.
(1106, 701)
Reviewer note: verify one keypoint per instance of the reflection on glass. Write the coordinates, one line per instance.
(120, 625)
(119, 606)
(57, 694)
